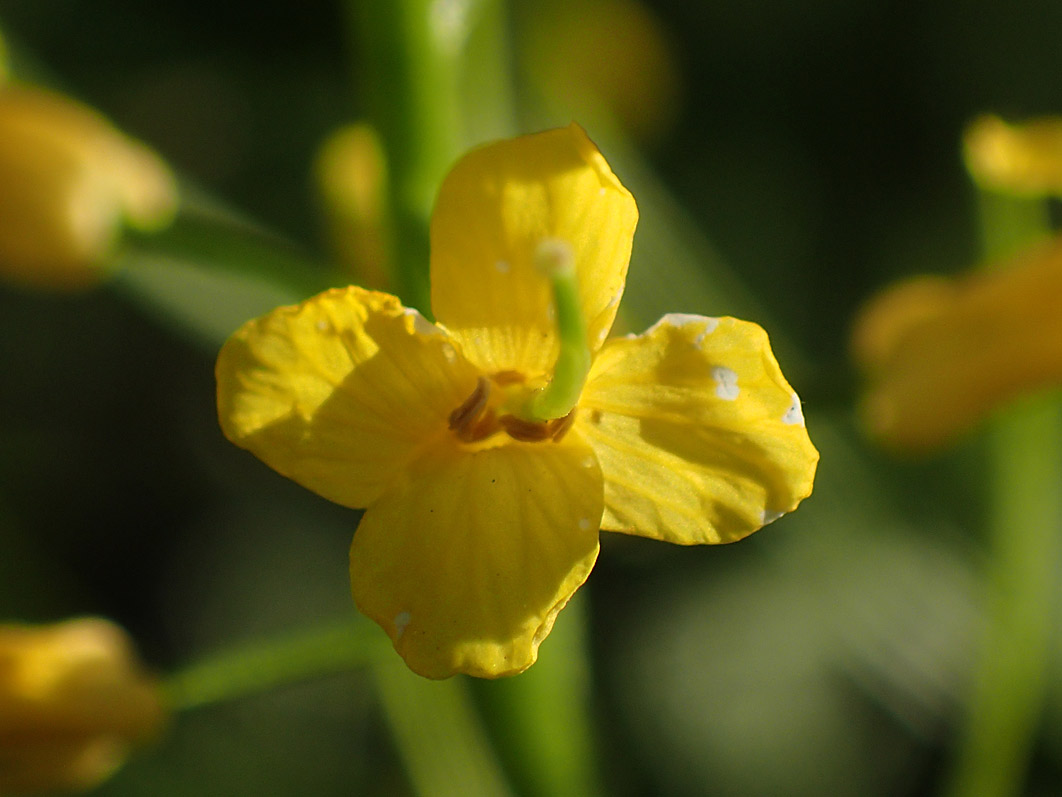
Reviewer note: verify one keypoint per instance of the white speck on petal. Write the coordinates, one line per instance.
(726, 386)
(449, 353)
(551, 312)
(770, 517)
(602, 191)
(502, 266)
(401, 621)
(421, 325)
(615, 300)
(584, 524)
(322, 325)
(678, 320)
(794, 416)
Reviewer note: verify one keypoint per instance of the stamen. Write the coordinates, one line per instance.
(560, 427)
(525, 431)
(503, 378)
(462, 420)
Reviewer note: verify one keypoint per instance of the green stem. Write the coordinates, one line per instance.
(411, 53)
(541, 718)
(264, 665)
(211, 271)
(1024, 519)
(438, 734)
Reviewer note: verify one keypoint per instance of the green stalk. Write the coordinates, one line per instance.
(211, 270)
(262, 666)
(1024, 521)
(541, 718)
(410, 53)
(438, 734)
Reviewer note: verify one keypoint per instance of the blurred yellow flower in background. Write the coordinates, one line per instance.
(605, 55)
(482, 517)
(1023, 159)
(73, 700)
(69, 180)
(941, 354)
(351, 176)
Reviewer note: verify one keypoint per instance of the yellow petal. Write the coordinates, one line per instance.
(893, 313)
(994, 335)
(467, 560)
(699, 436)
(494, 209)
(338, 393)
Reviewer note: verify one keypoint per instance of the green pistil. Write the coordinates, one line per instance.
(555, 259)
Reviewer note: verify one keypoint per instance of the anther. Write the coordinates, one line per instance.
(560, 427)
(462, 420)
(525, 431)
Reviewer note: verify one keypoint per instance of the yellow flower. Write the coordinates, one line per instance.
(68, 181)
(73, 700)
(1023, 159)
(942, 354)
(482, 516)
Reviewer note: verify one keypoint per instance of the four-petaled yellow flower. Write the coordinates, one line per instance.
(482, 507)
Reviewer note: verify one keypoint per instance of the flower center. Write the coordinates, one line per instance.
(483, 415)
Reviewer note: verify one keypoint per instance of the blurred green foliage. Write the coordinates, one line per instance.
(815, 145)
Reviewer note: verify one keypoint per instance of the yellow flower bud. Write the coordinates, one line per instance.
(1022, 159)
(73, 699)
(68, 181)
(351, 175)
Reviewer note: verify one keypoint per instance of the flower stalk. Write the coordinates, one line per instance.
(1024, 518)
(412, 54)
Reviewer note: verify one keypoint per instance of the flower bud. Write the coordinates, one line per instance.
(68, 182)
(1019, 159)
(351, 175)
(73, 700)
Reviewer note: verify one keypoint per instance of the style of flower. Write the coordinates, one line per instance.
(489, 449)
(73, 701)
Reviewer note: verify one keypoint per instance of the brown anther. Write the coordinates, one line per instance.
(559, 427)
(462, 420)
(481, 429)
(503, 378)
(525, 431)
